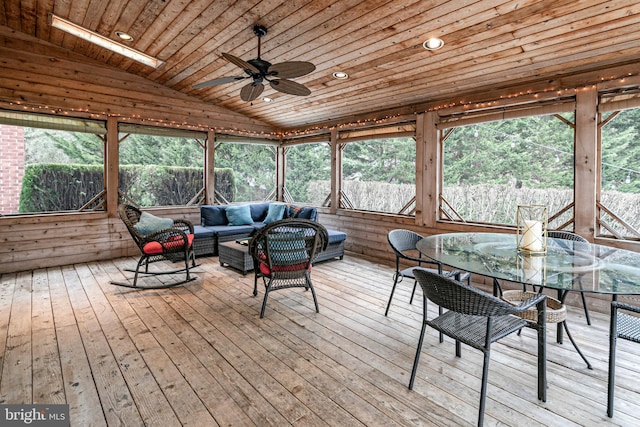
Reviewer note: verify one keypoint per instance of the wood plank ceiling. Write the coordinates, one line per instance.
(489, 44)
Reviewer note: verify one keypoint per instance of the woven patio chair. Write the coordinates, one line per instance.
(403, 243)
(566, 235)
(627, 327)
(159, 239)
(283, 252)
(478, 319)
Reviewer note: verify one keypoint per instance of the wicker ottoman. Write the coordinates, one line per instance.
(235, 255)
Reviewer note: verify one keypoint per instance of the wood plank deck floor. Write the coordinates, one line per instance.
(199, 355)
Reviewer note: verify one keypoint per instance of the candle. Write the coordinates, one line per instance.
(532, 236)
(533, 269)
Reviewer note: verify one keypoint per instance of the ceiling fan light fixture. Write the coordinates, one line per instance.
(267, 99)
(124, 36)
(102, 41)
(433, 43)
(340, 75)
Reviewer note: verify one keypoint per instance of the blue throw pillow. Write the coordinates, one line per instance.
(239, 215)
(275, 212)
(213, 215)
(149, 224)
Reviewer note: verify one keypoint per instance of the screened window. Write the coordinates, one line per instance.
(620, 177)
(252, 167)
(308, 173)
(50, 163)
(379, 175)
(490, 168)
(161, 166)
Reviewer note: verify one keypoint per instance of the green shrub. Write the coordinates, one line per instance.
(53, 187)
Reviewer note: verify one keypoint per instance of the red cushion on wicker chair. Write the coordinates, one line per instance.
(264, 268)
(156, 248)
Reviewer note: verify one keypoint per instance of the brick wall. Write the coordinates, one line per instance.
(11, 167)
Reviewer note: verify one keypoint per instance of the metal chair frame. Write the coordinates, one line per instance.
(627, 327)
(403, 242)
(478, 319)
(566, 235)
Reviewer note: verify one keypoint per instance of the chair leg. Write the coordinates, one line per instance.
(413, 292)
(264, 301)
(483, 388)
(393, 289)
(417, 358)
(186, 264)
(313, 292)
(613, 338)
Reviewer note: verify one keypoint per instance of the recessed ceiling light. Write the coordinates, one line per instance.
(102, 41)
(267, 99)
(124, 36)
(340, 75)
(433, 43)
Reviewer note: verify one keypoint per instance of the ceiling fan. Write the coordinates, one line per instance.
(261, 71)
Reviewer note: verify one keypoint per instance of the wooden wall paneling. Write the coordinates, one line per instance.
(84, 85)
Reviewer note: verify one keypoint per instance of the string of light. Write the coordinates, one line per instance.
(384, 119)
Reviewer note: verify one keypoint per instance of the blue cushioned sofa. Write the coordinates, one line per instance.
(215, 226)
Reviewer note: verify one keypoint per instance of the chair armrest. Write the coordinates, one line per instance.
(615, 305)
(530, 302)
(419, 260)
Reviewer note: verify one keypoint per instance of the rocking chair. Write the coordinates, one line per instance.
(159, 239)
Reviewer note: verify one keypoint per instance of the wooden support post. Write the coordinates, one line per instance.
(336, 171)
(112, 166)
(209, 168)
(586, 157)
(428, 167)
(281, 164)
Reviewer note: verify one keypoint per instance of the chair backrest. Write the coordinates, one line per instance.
(286, 248)
(130, 215)
(461, 298)
(566, 235)
(403, 240)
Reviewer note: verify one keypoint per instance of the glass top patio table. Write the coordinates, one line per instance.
(567, 265)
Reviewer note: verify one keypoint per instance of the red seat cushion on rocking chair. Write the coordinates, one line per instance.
(176, 242)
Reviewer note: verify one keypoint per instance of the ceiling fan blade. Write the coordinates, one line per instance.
(251, 91)
(218, 81)
(291, 69)
(240, 63)
(290, 87)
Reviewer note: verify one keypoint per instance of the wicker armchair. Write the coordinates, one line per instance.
(566, 235)
(283, 252)
(625, 326)
(173, 244)
(478, 319)
(403, 243)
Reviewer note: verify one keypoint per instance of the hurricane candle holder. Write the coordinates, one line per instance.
(531, 229)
